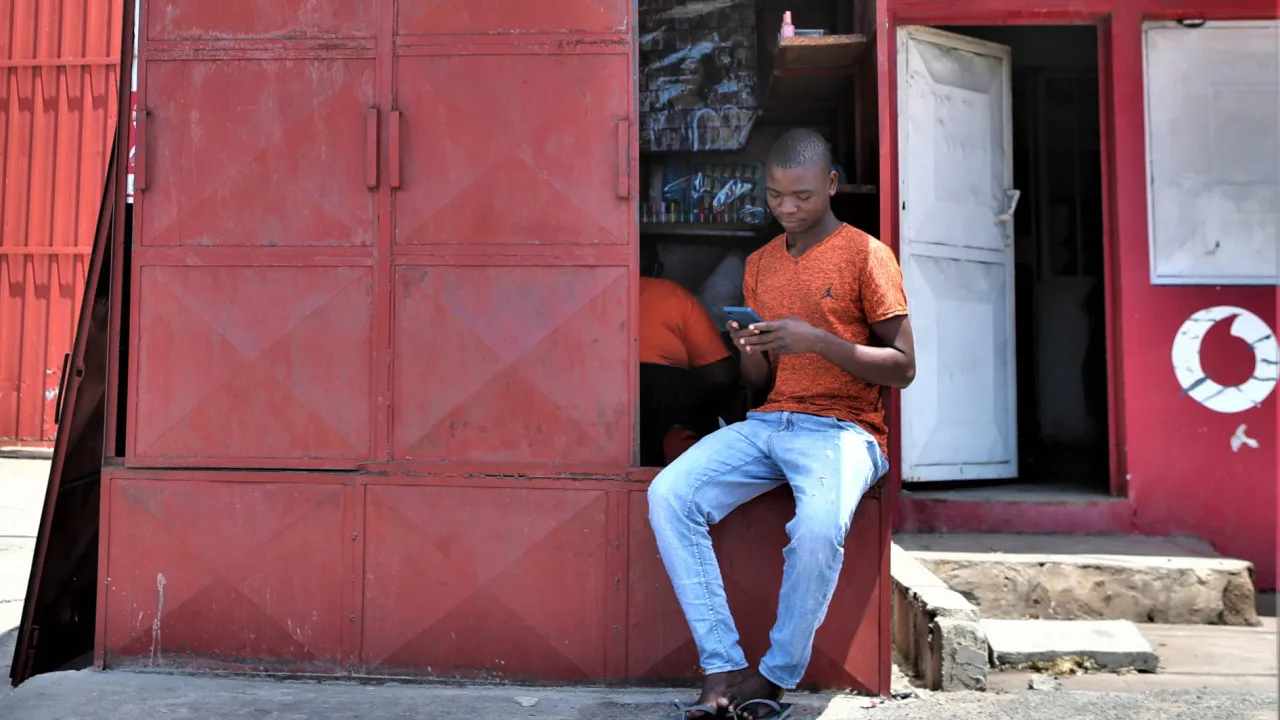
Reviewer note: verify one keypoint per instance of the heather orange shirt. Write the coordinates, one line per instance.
(842, 285)
(674, 327)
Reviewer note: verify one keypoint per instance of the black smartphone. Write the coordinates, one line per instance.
(744, 316)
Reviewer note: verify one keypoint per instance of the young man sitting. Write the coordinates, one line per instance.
(835, 332)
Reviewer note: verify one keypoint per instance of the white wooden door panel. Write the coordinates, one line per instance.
(959, 419)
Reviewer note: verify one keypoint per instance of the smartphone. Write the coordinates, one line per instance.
(744, 316)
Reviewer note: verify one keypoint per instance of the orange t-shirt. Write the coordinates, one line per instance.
(842, 285)
(674, 327)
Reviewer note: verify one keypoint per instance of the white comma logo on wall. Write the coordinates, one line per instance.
(1200, 387)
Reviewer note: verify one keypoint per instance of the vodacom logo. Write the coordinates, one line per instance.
(1200, 387)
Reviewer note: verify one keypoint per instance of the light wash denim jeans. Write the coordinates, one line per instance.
(829, 463)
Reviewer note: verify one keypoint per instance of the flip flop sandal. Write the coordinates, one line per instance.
(781, 711)
(711, 711)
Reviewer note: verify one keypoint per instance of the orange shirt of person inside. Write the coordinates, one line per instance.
(675, 329)
(843, 285)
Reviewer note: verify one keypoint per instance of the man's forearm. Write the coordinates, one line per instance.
(876, 365)
(757, 371)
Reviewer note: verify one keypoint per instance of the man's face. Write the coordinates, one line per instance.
(800, 197)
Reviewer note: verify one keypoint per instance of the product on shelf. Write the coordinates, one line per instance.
(697, 74)
(707, 193)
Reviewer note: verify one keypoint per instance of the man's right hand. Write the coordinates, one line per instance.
(737, 332)
(756, 370)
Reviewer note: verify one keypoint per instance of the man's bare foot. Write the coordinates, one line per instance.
(754, 686)
(715, 692)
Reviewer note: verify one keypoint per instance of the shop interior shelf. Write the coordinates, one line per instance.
(844, 189)
(813, 70)
(736, 230)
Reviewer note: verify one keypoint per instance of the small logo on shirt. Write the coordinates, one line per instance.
(828, 295)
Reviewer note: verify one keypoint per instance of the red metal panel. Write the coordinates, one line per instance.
(256, 227)
(249, 153)
(39, 302)
(475, 576)
(509, 213)
(252, 364)
(846, 651)
(997, 12)
(503, 161)
(461, 17)
(535, 368)
(57, 112)
(198, 20)
(505, 583)
(257, 581)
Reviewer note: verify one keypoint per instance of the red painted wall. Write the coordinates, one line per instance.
(1173, 457)
(60, 69)
(1182, 475)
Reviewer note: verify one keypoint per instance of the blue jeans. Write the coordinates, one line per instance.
(829, 464)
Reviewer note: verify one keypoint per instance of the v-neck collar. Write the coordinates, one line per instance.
(797, 258)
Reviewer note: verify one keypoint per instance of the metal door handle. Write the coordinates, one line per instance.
(62, 390)
(371, 148)
(394, 149)
(1007, 216)
(140, 150)
(624, 159)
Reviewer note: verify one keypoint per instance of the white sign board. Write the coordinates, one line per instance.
(1213, 151)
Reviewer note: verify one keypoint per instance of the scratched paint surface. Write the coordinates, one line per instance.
(260, 578)
(505, 581)
(1201, 418)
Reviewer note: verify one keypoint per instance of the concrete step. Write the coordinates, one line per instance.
(1104, 644)
(1083, 577)
(1193, 659)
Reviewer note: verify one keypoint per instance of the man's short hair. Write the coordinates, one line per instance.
(800, 147)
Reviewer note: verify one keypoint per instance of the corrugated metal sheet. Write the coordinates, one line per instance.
(57, 112)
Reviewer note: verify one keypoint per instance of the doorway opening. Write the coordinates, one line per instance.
(1054, 306)
(718, 85)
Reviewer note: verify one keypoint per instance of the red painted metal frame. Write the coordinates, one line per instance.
(1128, 296)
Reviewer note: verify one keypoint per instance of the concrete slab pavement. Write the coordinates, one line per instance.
(91, 695)
(1110, 644)
(22, 485)
(1193, 658)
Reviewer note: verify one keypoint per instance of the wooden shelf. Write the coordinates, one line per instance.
(856, 189)
(740, 230)
(813, 70)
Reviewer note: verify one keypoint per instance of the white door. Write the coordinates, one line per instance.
(955, 135)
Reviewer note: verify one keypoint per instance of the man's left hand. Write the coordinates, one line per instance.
(788, 336)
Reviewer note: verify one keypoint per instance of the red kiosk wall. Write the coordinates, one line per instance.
(1183, 476)
(380, 419)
